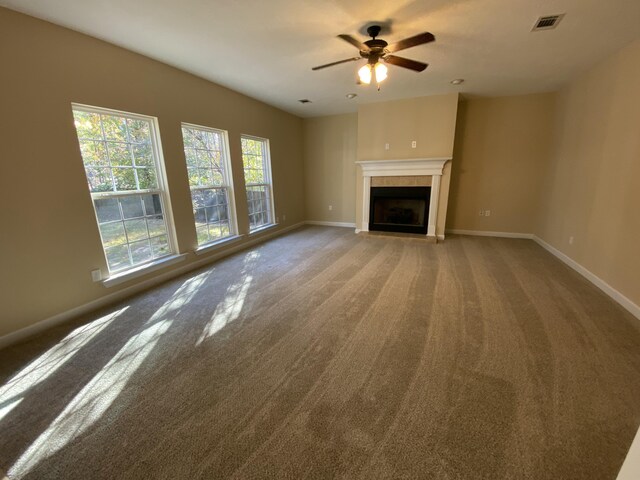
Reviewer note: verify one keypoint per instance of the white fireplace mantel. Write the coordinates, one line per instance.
(401, 168)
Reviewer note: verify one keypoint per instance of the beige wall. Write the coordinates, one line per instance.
(430, 121)
(592, 191)
(501, 150)
(49, 240)
(330, 145)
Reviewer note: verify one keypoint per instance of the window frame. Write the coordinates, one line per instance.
(228, 179)
(268, 178)
(162, 190)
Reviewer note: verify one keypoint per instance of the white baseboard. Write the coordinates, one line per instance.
(592, 277)
(23, 333)
(330, 224)
(482, 233)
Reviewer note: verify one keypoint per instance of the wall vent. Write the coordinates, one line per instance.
(547, 22)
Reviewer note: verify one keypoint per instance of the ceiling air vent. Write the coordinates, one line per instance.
(547, 22)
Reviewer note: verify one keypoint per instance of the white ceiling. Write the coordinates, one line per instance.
(265, 49)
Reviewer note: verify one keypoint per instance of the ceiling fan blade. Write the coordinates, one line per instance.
(405, 63)
(356, 43)
(425, 37)
(337, 63)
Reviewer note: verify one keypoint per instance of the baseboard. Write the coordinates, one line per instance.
(34, 329)
(331, 224)
(482, 233)
(592, 277)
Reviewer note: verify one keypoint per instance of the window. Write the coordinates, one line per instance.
(206, 152)
(126, 181)
(257, 178)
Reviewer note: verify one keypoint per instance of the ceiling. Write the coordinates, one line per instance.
(265, 49)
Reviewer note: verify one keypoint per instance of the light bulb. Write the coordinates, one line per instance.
(365, 74)
(381, 72)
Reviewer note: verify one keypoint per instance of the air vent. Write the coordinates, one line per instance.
(547, 22)
(305, 100)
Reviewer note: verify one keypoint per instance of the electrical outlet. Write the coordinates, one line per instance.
(96, 275)
(414, 144)
(330, 207)
(386, 146)
(571, 240)
(284, 218)
(487, 213)
(481, 213)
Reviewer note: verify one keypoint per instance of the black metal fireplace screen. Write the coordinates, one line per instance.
(399, 209)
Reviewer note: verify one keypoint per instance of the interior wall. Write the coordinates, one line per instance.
(330, 150)
(592, 189)
(430, 121)
(502, 147)
(49, 240)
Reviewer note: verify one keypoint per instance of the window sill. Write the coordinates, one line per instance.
(218, 243)
(263, 228)
(143, 269)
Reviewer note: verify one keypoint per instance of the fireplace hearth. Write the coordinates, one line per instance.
(399, 209)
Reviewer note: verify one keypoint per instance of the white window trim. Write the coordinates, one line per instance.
(228, 178)
(217, 244)
(140, 270)
(162, 190)
(268, 177)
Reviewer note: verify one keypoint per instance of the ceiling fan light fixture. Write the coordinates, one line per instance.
(365, 74)
(381, 72)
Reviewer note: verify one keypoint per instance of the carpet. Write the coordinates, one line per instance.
(324, 354)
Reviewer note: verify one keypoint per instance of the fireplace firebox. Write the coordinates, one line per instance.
(399, 209)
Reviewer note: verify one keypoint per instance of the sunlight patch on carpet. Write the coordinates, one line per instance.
(97, 396)
(228, 310)
(46, 364)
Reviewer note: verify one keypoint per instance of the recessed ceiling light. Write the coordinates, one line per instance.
(351, 95)
(305, 100)
(457, 81)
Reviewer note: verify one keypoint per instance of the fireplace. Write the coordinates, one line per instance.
(412, 167)
(399, 209)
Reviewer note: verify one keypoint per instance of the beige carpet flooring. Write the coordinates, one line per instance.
(324, 354)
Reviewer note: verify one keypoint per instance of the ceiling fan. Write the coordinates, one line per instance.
(376, 49)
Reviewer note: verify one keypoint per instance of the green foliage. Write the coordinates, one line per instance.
(117, 142)
(125, 178)
(143, 155)
(99, 179)
(147, 178)
(253, 176)
(87, 125)
(139, 131)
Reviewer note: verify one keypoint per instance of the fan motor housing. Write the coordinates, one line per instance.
(375, 44)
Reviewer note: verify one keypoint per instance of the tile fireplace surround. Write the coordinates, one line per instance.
(403, 168)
